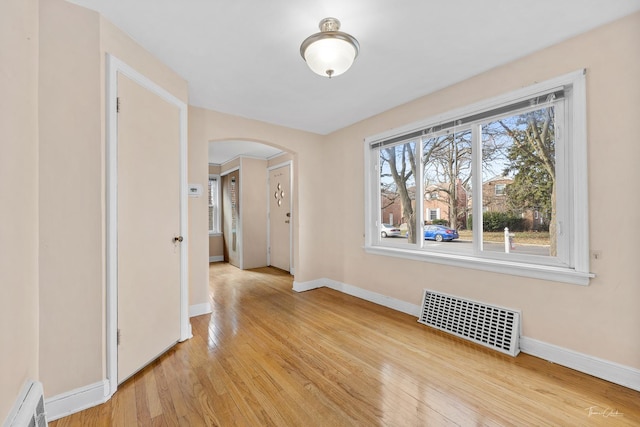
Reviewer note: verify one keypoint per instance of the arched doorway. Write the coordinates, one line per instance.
(252, 192)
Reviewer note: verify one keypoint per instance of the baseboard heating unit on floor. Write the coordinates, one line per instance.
(494, 327)
(30, 410)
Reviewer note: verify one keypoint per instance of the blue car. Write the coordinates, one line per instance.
(439, 233)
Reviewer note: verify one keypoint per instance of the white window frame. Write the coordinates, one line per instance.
(572, 266)
(217, 226)
(501, 193)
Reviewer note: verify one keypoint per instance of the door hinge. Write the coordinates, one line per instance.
(118, 337)
(117, 104)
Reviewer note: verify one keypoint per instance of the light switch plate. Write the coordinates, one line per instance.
(195, 190)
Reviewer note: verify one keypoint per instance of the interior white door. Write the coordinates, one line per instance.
(148, 226)
(280, 217)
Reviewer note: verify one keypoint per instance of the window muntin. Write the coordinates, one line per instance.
(214, 204)
(564, 98)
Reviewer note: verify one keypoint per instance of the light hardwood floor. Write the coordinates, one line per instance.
(268, 356)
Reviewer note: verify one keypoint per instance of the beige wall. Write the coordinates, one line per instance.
(275, 161)
(253, 212)
(216, 246)
(599, 320)
(73, 42)
(119, 44)
(71, 272)
(18, 198)
(198, 225)
(230, 165)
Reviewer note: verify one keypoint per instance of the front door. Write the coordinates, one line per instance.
(280, 217)
(148, 226)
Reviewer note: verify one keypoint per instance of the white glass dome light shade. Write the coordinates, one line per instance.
(330, 56)
(330, 52)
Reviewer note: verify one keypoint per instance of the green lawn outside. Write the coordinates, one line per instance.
(523, 238)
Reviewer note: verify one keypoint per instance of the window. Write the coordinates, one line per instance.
(214, 204)
(532, 142)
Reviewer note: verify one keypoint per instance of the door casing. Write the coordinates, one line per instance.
(113, 67)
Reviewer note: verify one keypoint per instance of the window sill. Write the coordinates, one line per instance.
(542, 272)
(214, 234)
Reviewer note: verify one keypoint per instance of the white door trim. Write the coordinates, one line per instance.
(291, 195)
(115, 66)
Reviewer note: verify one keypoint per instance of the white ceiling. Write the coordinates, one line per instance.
(242, 57)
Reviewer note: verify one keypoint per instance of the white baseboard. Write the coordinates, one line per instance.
(307, 286)
(374, 297)
(600, 368)
(76, 400)
(355, 291)
(199, 309)
(216, 258)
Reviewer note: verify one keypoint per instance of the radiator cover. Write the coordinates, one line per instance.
(491, 326)
(30, 412)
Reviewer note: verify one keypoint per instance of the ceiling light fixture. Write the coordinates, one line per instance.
(329, 52)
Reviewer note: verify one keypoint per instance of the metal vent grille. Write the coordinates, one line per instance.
(30, 411)
(494, 327)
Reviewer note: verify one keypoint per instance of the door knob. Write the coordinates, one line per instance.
(178, 239)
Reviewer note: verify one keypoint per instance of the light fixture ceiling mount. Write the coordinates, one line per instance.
(330, 52)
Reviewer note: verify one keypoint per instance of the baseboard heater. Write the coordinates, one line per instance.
(29, 411)
(491, 326)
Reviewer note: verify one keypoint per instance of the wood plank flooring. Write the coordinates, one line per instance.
(268, 356)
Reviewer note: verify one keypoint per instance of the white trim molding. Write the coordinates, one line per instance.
(364, 294)
(610, 371)
(308, 286)
(217, 258)
(199, 309)
(73, 401)
(600, 368)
